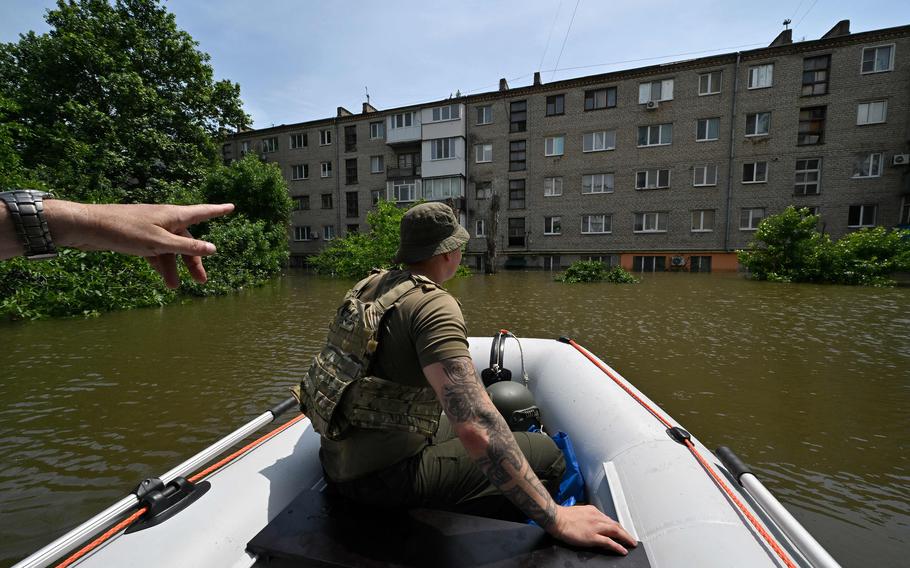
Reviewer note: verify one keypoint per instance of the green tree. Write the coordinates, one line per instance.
(595, 271)
(115, 103)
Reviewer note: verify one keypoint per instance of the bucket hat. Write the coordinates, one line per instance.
(429, 229)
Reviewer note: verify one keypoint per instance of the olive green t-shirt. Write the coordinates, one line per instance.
(426, 327)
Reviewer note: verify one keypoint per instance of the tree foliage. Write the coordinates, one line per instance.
(595, 271)
(789, 248)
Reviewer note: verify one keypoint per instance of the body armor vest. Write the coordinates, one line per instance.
(338, 392)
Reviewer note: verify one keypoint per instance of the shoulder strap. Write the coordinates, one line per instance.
(387, 300)
(358, 288)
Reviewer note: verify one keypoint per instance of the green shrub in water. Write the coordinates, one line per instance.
(595, 271)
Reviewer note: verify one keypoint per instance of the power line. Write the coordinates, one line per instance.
(539, 65)
(806, 14)
(569, 29)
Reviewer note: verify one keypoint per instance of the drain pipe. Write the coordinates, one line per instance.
(732, 154)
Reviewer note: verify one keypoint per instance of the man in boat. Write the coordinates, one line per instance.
(377, 400)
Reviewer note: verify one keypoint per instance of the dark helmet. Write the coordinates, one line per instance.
(516, 404)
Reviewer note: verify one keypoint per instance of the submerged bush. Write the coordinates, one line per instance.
(595, 271)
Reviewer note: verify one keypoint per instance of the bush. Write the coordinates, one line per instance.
(595, 271)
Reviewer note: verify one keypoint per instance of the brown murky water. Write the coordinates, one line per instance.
(810, 384)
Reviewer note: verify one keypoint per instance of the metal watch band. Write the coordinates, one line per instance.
(26, 207)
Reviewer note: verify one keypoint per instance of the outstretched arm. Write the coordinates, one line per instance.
(487, 439)
(156, 232)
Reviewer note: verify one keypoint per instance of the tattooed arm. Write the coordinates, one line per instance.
(487, 439)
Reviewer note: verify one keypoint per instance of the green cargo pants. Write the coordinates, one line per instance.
(443, 476)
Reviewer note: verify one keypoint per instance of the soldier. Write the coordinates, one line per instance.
(396, 357)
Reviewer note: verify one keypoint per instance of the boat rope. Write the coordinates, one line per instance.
(756, 524)
(125, 523)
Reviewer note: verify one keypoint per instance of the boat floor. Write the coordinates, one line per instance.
(319, 529)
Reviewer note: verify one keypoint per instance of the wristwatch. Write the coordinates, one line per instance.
(26, 207)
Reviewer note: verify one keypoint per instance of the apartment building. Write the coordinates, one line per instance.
(666, 167)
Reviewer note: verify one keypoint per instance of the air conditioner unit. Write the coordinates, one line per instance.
(677, 261)
(900, 159)
(652, 105)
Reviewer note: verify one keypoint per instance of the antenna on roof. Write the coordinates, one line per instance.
(787, 23)
(366, 90)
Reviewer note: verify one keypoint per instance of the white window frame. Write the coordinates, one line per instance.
(756, 121)
(307, 233)
(483, 153)
(442, 188)
(701, 220)
(646, 91)
(590, 144)
(377, 130)
(606, 224)
(406, 120)
(862, 57)
(655, 173)
(377, 164)
(554, 146)
(598, 183)
(864, 112)
(862, 209)
(804, 172)
(325, 169)
(705, 182)
(708, 129)
(445, 113)
(442, 149)
(244, 147)
(756, 80)
(295, 141)
(303, 171)
(755, 172)
(325, 137)
(270, 145)
(485, 112)
(552, 225)
(710, 91)
(657, 218)
(664, 135)
(752, 226)
(400, 186)
(480, 228)
(487, 190)
(328, 232)
(873, 171)
(552, 186)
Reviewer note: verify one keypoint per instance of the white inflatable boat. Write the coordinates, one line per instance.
(266, 506)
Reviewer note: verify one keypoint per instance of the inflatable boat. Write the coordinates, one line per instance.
(267, 503)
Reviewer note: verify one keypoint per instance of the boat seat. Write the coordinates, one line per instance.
(319, 529)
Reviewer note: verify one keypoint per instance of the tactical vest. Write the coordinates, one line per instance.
(338, 392)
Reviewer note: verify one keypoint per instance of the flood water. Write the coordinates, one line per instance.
(809, 384)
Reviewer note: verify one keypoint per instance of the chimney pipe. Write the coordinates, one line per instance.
(537, 78)
(503, 84)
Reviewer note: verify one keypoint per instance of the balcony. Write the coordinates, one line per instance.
(396, 172)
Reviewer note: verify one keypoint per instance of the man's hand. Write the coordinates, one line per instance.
(585, 525)
(157, 232)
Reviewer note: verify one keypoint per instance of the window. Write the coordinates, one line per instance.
(755, 172)
(556, 104)
(442, 188)
(328, 232)
(516, 194)
(878, 59)
(480, 228)
(406, 161)
(325, 137)
(652, 179)
(298, 141)
(873, 112)
(808, 176)
(905, 212)
(375, 196)
(518, 116)
(861, 216)
(703, 221)
(442, 149)
(325, 169)
(483, 190)
(303, 233)
(352, 229)
(517, 155)
(377, 164)
(554, 145)
(300, 171)
(709, 83)
(649, 263)
(868, 165)
(484, 115)
(707, 129)
(655, 91)
(483, 153)
(448, 112)
(600, 98)
(326, 200)
(301, 203)
(597, 183)
(651, 222)
(596, 224)
(552, 226)
(749, 218)
(377, 130)
(758, 124)
(815, 75)
(350, 171)
(404, 191)
(811, 126)
(351, 204)
(761, 76)
(269, 145)
(655, 135)
(599, 141)
(705, 174)
(350, 138)
(551, 262)
(552, 187)
(516, 231)
(402, 120)
(244, 147)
